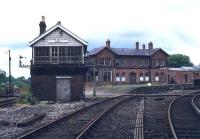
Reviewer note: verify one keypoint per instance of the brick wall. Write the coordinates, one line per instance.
(77, 87)
(44, 87)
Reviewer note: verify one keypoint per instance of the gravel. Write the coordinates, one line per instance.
(155, 118)
(10, 116)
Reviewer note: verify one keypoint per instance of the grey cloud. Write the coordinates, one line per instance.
(184, 37)
(131, 34)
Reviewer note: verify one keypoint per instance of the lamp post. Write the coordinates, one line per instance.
(95, 76)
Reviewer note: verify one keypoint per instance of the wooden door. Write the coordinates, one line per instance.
(63, 89)
(132, 78)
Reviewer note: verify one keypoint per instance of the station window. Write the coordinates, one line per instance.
(123, 79)
(106, 75)
(74, 54)
(104, 61)
(117, 78)
(141, 77)
(41, 54)
(146, 76)
(107, 61)
(141, 62)
(101, 61)
(156, 63)
(156, 77)
(162, 76)
(146, 62)
(162, 63)
(58, 54)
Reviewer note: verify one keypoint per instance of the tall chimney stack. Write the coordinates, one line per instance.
(108, 43)
(42, 25)
(150, 45)
(137, 45)
(143, 46)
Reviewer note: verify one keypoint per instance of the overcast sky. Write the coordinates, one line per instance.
(173, 25)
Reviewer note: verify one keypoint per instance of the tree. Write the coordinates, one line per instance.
(2, 76)
(179, 60)
(2, 79)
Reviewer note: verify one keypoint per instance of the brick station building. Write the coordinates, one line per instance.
(136, 65)
(183, 75)
(127, 65)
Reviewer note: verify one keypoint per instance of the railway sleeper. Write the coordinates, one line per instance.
(191, 127)
(189, 136)
(29, 121)
(188, 131)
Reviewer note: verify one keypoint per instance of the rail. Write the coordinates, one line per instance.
(195, 108)
(170, 109)
(67, 116)
(85, 129)
(170, 121)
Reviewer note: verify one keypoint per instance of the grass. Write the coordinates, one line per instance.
(26, 97)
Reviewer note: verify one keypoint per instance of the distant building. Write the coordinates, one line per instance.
(183, 75)
(127, 65)
(58, 66)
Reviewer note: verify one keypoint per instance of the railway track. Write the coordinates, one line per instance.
(71, 125)
(155, 118)
(118, 123)
(196, 104)
(184, 122)
(5, 102)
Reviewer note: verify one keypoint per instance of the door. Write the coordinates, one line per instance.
(54, 54)
(132, 78)
(63, 89)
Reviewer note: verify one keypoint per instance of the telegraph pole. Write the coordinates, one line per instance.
(94, 83)
(10, 90)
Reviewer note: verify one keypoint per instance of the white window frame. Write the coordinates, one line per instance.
(157, 63)
(157, 78)
(117, 78)
(123, 78)
(162, 63)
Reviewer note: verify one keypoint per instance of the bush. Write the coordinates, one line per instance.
(27, 98)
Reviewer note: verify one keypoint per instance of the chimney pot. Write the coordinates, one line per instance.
(108, 43)
(150, 45)
(43, 19)
(137, 45)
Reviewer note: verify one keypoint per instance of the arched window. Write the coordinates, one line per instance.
(123, 77)
(156, 77)
(147, 76)
(117, 78)
(141, 77)
(162, 76)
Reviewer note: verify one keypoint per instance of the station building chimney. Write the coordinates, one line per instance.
(108, 43)
(137, 45)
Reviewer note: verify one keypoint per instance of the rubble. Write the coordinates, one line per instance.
(10, 116)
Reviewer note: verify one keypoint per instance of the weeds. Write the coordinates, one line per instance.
(27, 98)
